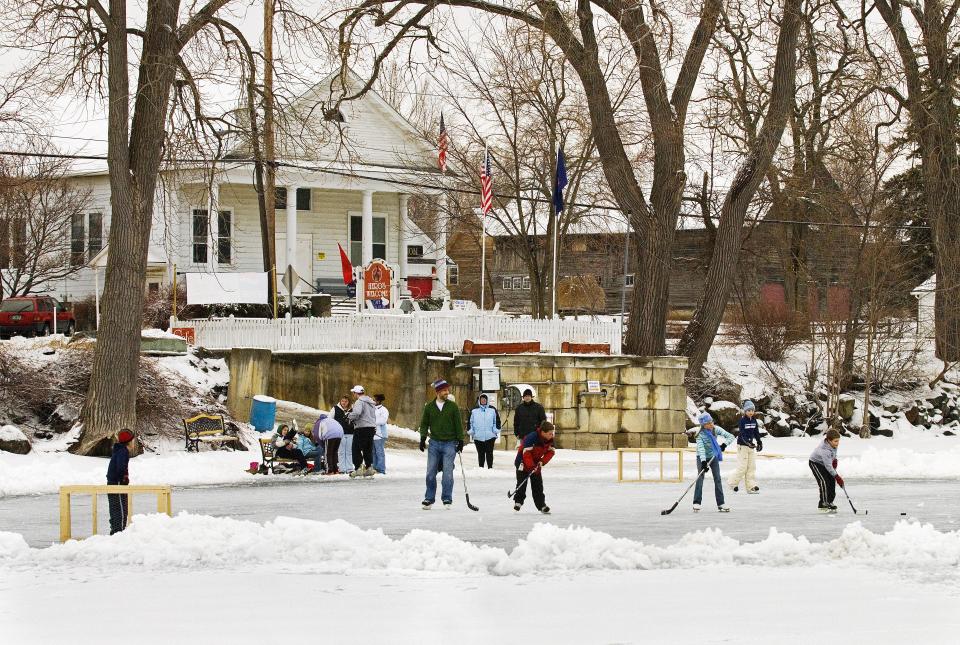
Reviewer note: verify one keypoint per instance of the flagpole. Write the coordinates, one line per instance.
(556, 226)
(483, 244)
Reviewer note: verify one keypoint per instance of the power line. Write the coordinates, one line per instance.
(452, 189)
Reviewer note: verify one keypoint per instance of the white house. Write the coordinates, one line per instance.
(926, 295)
(351, 189)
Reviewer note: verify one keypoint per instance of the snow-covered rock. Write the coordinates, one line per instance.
(725, 413)
(13, 440)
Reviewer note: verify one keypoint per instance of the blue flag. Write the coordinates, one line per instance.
(560, 183)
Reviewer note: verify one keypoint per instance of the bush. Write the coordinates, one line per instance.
(769, 330)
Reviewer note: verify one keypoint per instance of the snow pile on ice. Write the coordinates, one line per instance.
(189, 541)
(158, 333)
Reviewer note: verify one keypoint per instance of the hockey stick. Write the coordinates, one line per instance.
(844, 488)
(463, 474)
(520, 485)
(703, 472)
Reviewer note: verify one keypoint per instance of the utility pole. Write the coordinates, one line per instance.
(269, 151)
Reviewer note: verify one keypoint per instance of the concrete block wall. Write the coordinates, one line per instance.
(644, 406)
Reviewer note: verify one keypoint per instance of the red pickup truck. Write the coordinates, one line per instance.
(32, 315)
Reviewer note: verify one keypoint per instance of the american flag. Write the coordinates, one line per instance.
(486, 184)
(442, 144)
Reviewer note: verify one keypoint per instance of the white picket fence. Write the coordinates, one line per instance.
(372, 332)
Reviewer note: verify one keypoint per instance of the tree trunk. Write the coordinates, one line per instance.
(110, 404)
(700, 333)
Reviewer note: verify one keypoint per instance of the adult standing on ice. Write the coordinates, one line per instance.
(118, 475)
(339, 413)
(483, 426)
(380, 440)
(709, 456)
(748, 445)
(528, 416)
(441, 422)
(363, 416)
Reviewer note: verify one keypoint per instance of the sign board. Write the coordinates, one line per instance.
(593, 387)
(321, 256)
(489, 379)
(290, 279)
(377, 280)
(186, 333)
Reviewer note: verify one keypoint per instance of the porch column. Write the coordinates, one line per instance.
(402, 238)
(441, 256)
(366, 229)
(291, 229)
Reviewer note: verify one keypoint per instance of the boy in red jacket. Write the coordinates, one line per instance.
(534, 452)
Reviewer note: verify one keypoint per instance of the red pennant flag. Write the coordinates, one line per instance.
(346, 266)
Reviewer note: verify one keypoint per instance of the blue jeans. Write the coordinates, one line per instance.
(379, 456)
(438, 451)
(345, 455)
(717, 482)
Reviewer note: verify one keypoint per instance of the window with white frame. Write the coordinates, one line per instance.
(628, 280)
(86, 236)
(356, 238)
(94, 234)
(13, 242)
(200, 228)
(453, 275)
(303, 198)
(225, 236)
(526, 283)
(78, 242)
(517, 282)
(507, 283)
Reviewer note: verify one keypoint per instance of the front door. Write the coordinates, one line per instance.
(303, 266)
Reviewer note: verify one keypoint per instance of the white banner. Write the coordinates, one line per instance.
(227, 288)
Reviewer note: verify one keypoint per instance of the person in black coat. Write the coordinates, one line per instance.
(528, 415)
(117, 475)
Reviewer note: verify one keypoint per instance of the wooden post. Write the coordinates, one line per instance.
(93, 501)
(65, 519)
(129, 509)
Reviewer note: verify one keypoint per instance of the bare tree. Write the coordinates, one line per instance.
(37, 210)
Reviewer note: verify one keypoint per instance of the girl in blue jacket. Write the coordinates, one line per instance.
(484, 429)
(709, 456)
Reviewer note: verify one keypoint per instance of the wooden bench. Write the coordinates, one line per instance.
(268, 456)
(207, 428)
(640, 451)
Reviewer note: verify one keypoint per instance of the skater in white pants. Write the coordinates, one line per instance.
(748, 445)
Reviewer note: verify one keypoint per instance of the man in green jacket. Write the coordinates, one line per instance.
(442, 423)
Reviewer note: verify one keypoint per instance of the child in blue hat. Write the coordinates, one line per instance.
(709, 456)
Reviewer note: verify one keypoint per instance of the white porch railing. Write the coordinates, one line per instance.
(373, 332)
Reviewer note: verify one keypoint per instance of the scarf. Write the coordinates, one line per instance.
(713, 443)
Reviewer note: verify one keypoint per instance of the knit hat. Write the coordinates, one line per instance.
(705, 419)
(748, 405)
(440, 384)
(357, 389)
(528, 392)
(125, 436)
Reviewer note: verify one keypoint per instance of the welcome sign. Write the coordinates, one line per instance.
(377, 278)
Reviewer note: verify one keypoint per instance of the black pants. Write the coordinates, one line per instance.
(331, 454)
(118, 512)
(292, 453)
(536, 481)
(485, 452)
(825, 482)
(363, 447)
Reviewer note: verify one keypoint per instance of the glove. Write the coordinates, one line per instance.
(723, 447)
(839, 480)
(423, 444)
(759, 445)
(750, 444)
(126, 480)
(460, 445)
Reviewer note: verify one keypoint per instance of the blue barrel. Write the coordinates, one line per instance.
(263, 413)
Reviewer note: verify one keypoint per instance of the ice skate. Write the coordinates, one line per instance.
(426, 504)
(754, 491)
(545, 510)
(447, 506)
(517, 507)
(723, 508)
(696, 508)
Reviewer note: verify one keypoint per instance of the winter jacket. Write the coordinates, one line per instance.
(825, 455)
(706, 439)
(304, 444)
(288, 440)
(117, 469)
(441, 425)
(749, 431)
(325, 429)
(527, 418)
(340, 415)
(383, 415)
(484, 422)
(534, 450)
(363, 414)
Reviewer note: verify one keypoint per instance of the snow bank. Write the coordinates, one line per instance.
(874, 463)
(190, 541)
(11, 433)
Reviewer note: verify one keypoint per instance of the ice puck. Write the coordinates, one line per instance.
(902, 513)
